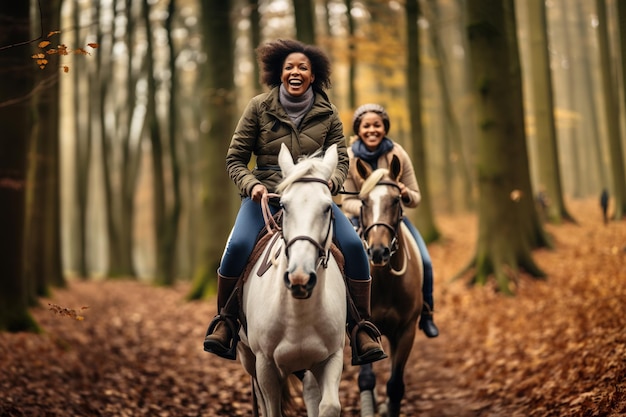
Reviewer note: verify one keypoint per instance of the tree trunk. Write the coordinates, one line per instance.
(351, 57)
(157, 152)
(584, 63)
(219, 101)
(172, 213)
(83, 145)
(616, 145)
(457, 165)
(425, 221)
(543, 105)
(43, 209)
(304, 13)
(509, 226)
(612, 116)
(585, 137)
(255, 39)
(114, 168)
(15, 117)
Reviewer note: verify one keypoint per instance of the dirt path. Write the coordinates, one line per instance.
(556, 349)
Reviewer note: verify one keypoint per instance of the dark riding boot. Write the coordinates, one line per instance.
(426, 322)
(364, 336)
(426, 318)
(222, 335)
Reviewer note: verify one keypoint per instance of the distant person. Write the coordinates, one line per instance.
(542, 203)
(604, 203)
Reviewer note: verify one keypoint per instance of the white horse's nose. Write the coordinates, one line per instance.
(300, 284)
(298, 277)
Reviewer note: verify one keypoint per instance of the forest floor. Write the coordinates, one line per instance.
(558, 348)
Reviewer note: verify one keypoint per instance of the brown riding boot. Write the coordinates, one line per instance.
(222, 335)
(364, 336)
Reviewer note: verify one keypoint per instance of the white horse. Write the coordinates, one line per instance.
(294, 299)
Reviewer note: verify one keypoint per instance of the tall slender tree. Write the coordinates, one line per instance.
(509, 226)
(304, 13)
(114, 141)
(16, 88)
(611, 109)
(543, 106)
(43, 207)
(82, 148)
(458, 165)
(584, 64)
(580, 97)
(171, 221)
(218, 94)
(255, 39)
(351, 56)
(425, 219)
(617, 154)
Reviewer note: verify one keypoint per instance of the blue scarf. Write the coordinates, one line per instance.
(371, 157)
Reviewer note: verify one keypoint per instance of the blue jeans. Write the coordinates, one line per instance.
(249, 223)
(427, 289)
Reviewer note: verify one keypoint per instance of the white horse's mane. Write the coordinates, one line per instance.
(312, 165)
(371, 181)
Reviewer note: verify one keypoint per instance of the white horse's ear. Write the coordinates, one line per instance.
(331, 158)
(285, 160)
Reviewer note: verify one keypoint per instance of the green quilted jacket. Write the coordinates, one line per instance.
(264, 126)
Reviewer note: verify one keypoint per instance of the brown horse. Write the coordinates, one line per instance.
(397, 275)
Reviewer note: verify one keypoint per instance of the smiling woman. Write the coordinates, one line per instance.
(297, 76)
(297, 114)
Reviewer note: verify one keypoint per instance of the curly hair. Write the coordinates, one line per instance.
(272, 55)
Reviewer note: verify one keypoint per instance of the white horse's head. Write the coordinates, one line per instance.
(307, 216)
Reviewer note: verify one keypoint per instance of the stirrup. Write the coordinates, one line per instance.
(218, 349)
(372, 355)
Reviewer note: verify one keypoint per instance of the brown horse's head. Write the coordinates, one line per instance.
(381, 209)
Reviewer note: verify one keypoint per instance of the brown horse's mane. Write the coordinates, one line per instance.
(371, 181)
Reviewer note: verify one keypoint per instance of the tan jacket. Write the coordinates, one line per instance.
(264, 126)
(351, 205)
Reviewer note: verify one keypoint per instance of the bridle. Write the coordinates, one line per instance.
(323, 253)
(393, 228)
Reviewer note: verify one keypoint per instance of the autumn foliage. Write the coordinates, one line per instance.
(46, 49)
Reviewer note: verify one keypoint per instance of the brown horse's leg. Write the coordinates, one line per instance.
(400, 351)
